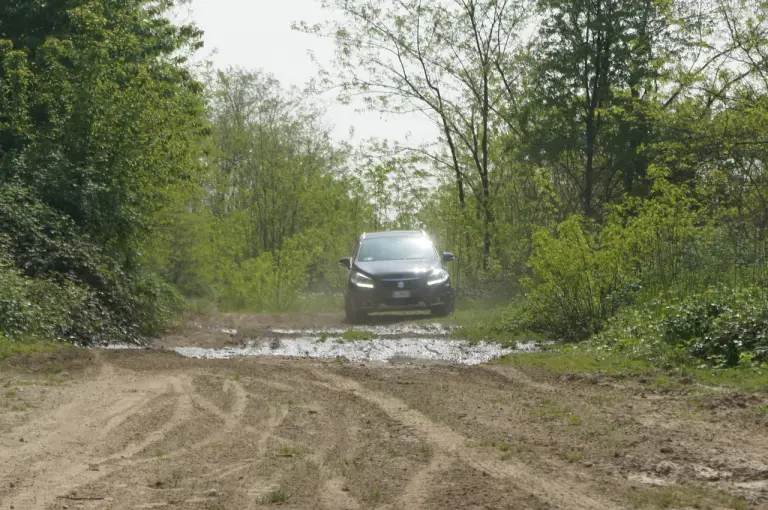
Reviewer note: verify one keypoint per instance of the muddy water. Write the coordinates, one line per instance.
(398, 329)
(394, 343)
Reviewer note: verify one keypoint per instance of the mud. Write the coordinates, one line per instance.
(392, 340)
(401, 350)
(148, 428)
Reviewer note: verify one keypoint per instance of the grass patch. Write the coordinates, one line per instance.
(549, 411)
(322, 302)
(427, 451)
(686, 496)
(745, 378)
(291, 451)
(573, 457)
(354, 334)
(579, 360)
(470, 313)
(159, 454)
(547, 408)
(276, 497)
(51, 382)
(489, 334)
(477, 321)
(375, 496)
(10, 347)
(502, 446)
(488, 320)
(584, 359)
(177, 477)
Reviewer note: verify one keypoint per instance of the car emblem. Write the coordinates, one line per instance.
(400, 285)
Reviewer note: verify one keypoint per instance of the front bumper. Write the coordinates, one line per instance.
(383, 297)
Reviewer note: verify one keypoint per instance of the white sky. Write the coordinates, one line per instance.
(256, 34)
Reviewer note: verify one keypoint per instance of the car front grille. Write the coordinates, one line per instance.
(408, 283)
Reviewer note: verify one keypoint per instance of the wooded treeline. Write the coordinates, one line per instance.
(594, 155)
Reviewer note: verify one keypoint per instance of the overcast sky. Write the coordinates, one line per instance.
(256, 34)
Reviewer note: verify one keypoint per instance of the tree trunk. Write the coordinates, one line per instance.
(589, 178)
(488, 222)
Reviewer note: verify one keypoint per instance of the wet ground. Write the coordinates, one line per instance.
(392, 342)
(148, 428)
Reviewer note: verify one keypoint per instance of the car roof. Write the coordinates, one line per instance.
(393, 233)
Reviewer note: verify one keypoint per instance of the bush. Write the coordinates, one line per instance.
(35, 307)
(57, 284)
(721, 326)
(584, 274)
(580, 280)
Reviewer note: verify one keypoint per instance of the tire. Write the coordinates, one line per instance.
(354, 316)
(444, 310)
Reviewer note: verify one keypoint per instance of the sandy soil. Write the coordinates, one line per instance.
(149, 429)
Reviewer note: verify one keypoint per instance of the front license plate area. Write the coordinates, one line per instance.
(400, 294)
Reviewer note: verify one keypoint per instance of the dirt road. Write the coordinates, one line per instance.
(150, 429)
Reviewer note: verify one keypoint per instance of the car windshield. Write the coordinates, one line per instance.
(396, 248)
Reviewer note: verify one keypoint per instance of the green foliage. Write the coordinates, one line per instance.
(275, 214)
(580, 280)
(614, 170)
(598, 359)
(665, 245)
(33, 307)
(720, 327)
(99, 118)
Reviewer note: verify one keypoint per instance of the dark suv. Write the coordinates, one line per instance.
(397, 270)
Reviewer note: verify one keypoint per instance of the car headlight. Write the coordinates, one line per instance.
(437, 276)
(361, 280)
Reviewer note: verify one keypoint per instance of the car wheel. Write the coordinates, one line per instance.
(354, 316)
(443, 310)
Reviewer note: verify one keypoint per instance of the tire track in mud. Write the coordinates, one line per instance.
(231, 420)
(416, 493)
(58, 463)
(181, 414)
(517, 377)
(275, 419)
(61, 462)
(556, 492)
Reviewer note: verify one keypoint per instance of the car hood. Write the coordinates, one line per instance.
(398, 267)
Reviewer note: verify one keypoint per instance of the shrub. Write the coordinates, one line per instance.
(721, 326)
(580, 280)
(59, 285)
(584, 274)
(35, 307)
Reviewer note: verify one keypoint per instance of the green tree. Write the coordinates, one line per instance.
(446, 60)
(100, 118)
(599, 63)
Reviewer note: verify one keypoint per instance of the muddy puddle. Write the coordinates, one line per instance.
(393, 343)
(383, 330)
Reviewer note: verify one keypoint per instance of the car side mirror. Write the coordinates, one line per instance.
(447, 257)
(346, 262)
